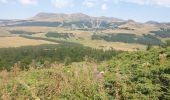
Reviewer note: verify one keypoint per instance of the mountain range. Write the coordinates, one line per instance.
(76, 20)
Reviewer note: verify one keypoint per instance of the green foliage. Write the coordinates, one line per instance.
(49, 24)
(163, 33)
(51, 40)
(74, 82)
(21, 32)
(128, 38)
(64, 53)
(59, 35)
(141, 75)
(148, 47)
(165, 44)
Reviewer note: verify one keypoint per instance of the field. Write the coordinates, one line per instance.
(83, 37)
(84, 58)
(4, 33)
(6, 42)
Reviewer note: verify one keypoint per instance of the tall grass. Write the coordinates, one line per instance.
(78, 81)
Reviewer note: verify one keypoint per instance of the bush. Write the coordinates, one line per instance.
(139, 75)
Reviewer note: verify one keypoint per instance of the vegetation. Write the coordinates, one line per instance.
(51, 40)
(163, 33)
(75, 82)
(49, 24)
(21, 32)
(59, 35)
(73, 71)
(64, 53)
(128, 38)
(142, 75)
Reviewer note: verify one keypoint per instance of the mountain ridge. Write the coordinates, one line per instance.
(78, 20)
(70, 17)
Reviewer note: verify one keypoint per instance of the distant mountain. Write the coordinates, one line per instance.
(152, 22)
(77, 21)
(11, 22)
(69, 17)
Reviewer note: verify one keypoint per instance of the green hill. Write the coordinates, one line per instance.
(141, 75)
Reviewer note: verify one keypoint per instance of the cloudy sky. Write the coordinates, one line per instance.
(139, 10)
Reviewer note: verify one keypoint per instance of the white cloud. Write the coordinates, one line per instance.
(89, 3)
(104, 7)
(140, 2)
(28, 2)
(163, 3)
(63, 3)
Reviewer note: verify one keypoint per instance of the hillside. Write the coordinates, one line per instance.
(56, 56)
(129, 75)
(96, 32)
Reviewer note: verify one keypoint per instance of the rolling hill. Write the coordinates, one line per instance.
(97, 32)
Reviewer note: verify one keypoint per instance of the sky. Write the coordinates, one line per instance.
(138, 10)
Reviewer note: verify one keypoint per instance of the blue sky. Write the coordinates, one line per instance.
(139, 10)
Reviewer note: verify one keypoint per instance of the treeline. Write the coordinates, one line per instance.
(163, 33)
(49, 24)
(51, 40)
(21, 32)
(128, 38)
(52, 53)
(59, 35)
(142, 75)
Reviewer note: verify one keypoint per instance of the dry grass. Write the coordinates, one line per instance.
(115, 45)
(35, 28)
(4, 33)
(84, 37)
(141, 29)
(6, 42)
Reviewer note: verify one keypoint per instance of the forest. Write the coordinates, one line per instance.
(59, 35)
(163, 33)
(128, 38)
(21, 32)
(64, 53)
(49, 24)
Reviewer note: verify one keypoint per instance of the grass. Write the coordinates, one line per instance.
(76, 81)
(4, 33)
(6, 42)
(84, 37)
(100, 44)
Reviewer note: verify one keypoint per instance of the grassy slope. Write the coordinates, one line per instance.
(4, 33)
(77, 81)
(134, 75)
(6, 42)
(84, 37)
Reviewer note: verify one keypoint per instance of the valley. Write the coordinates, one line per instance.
(56, 56)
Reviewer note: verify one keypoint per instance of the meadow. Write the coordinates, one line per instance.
(62, 63)
(119, 77)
